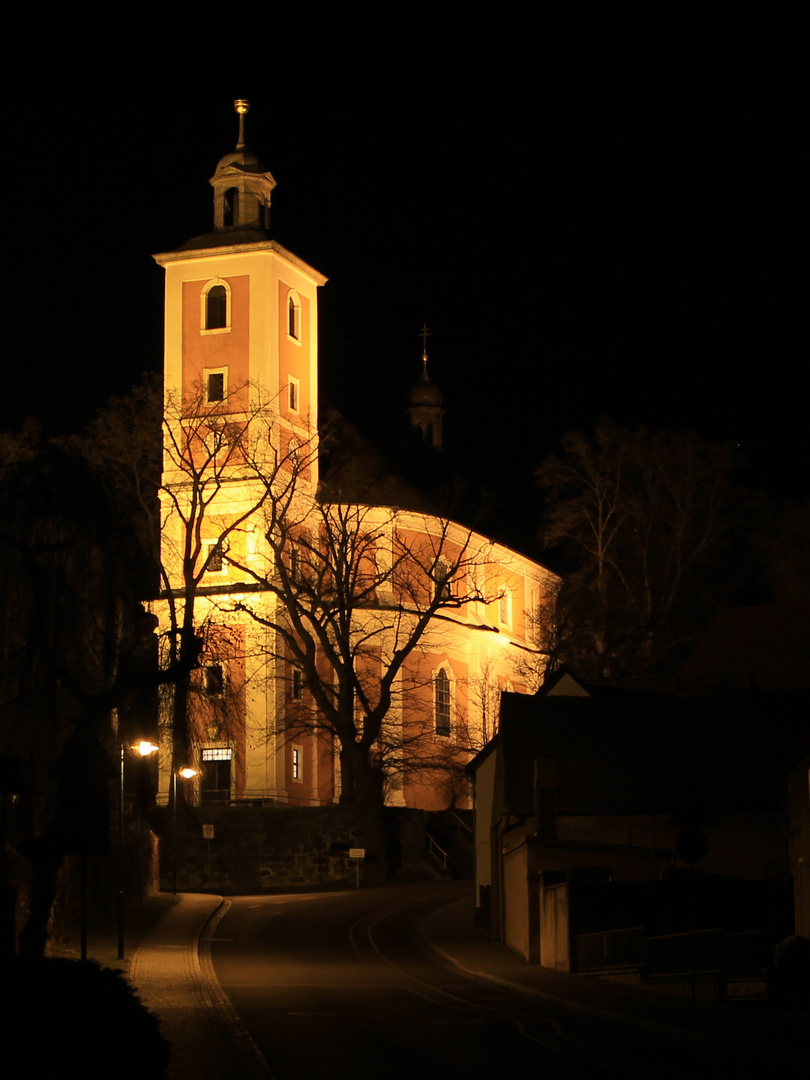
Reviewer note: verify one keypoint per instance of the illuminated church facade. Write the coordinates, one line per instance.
(241, 398)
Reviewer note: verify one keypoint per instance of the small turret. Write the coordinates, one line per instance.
(426, 402)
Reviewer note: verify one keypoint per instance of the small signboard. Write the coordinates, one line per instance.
(208, 832)
(358, 853)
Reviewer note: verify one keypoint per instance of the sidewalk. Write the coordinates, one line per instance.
(173, 976)
(450, 931)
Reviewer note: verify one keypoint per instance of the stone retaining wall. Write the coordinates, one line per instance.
(258, 848)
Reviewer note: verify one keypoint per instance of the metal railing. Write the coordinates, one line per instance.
(435, 849)
(609, 949)
(464, 826)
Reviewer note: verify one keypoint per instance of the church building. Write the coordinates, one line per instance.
(345, 639)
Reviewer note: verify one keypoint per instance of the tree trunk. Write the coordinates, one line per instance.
(361, 782)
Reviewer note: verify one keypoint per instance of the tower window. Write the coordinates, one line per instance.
(230, 207)
(297, 685)
(293, 395)
(216, 308)
(296, 763)
(215, 386)
(294, 316)
(441, 702)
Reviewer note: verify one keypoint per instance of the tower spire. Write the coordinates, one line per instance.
(242, 186)
(426, 401)
(424, 334)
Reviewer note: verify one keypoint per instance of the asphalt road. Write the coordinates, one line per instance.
(342, 985)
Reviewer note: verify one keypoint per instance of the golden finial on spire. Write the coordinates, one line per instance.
(241, 105)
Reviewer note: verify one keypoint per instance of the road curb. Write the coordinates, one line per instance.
(254, 1064)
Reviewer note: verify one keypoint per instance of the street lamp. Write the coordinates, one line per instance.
(144, 748)
(186, 773)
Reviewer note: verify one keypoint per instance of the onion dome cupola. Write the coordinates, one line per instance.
(426, 402)
(242, 188)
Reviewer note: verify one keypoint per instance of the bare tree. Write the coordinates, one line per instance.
(193, 505)
(354, 599)
(641, 516)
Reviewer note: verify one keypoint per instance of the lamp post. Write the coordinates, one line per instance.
(186, 773)
(144, 748)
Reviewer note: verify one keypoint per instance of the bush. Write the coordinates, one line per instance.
(66, 1017)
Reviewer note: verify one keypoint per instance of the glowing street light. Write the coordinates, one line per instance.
(144, 748)
(186, 773)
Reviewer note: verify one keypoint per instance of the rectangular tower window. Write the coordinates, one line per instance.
(297, 685)
(215, 386)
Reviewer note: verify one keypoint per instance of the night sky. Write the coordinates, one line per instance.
(637, 260)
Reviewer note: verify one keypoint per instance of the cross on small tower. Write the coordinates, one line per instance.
(424, 334)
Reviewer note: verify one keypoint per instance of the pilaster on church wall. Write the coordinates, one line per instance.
(261, 703)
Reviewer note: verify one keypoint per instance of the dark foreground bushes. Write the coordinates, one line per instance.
(77, 1019)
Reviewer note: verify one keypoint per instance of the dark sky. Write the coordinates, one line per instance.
(638, 260)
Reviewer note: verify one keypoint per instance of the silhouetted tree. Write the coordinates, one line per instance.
(644, 520)
(71, 621)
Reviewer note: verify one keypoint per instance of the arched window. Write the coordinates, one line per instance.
(505, 608)
(216, 304)
(293, 315)
(441, 702)
(442, 576)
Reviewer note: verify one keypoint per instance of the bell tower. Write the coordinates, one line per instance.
(241, 314)
(240, 351)
(426, 402)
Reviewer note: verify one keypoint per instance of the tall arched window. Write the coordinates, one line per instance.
(293, 315)
(505, 608)
(441, 702)
(216, 308)
(442, 576)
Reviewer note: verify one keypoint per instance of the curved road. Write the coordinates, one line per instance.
(342, 985)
